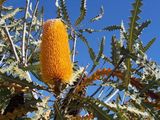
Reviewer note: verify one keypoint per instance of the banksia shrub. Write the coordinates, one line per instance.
(55, 58)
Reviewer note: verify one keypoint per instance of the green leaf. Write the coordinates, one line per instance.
(101, 49)
(149, 85)
(64, 12)
(112, 28)
(99, 16)
(149, 44)
(133, 24)
(132, 37)
(142, 26)
(96, 107)
(91, 52)
(4, 97)
(23, 83)
(59, 115)
(83, 10)
(115, 51)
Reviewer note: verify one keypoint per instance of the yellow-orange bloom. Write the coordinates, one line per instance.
(55, 58)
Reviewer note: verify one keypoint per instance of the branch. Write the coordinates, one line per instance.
(11, 42)
(74, 47)
(112, 95)
(30, 28)
(24, 33)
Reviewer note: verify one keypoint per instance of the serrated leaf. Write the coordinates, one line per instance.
(83, 10)
(149, 86)
(58, 11)
(4, 98)
(112, 28)
(115, 51)
(15, 71)
(122, 32)
(41, 109)
(133, 24)
(9, 15)
(64, 12)
(149, 44)
(23, 83)
(132, 37)
(96, 107)
(91, 52)
(101, 49)
(99, 16)
(142, 26)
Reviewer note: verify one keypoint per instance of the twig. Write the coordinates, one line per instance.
(123, 98)
(1, 61)
(74, 46)
(30, 28)
(24, 32)
(11, 42)
(112, 95)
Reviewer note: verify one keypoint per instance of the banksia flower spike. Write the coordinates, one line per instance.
(56, 65)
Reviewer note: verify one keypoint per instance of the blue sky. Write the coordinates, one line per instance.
(115, 12)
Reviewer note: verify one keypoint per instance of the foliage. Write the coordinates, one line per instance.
(128, 89)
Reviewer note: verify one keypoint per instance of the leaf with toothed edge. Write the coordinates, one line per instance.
(91, 52)
(83, 12)
(101, 49)
(112, 28)
(64, 12)
(95, 106)
(133, 23)
(115, 51)
(133, 35)
(149, 44)
(142, 26)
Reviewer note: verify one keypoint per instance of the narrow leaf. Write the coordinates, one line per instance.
(115, 52)
(96, 107)
(64, 11)
(132, 37)
(133, 24)
(91, 52)
(9, 15)
(149, 44)
(142, 26)
(112, 28)
(83, 10)
(101, 49)
(99, 16)
(59, 115)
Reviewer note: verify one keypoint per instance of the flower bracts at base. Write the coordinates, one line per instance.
(55, 58)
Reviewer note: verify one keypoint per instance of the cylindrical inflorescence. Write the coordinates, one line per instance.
(55, 58)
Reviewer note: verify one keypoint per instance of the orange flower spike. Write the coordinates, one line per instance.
(55, 58)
